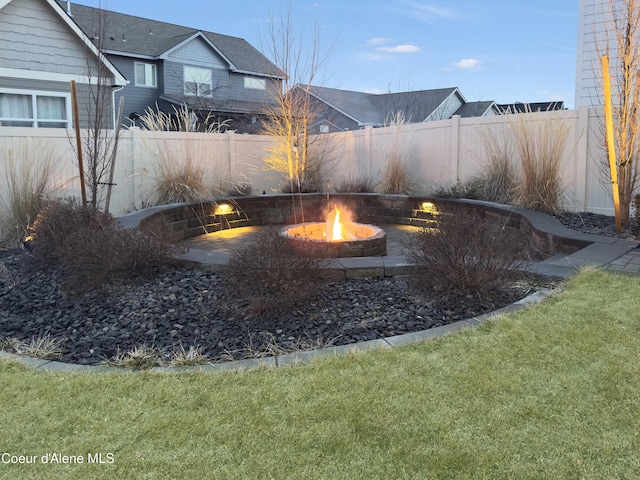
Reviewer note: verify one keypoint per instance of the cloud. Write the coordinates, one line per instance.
(430, 13)
(406, 48)
(466, 63)
(379, 41)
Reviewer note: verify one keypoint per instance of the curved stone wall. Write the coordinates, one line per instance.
(189, 220)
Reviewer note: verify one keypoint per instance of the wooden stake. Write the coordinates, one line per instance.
(608, 120)
(76, 121)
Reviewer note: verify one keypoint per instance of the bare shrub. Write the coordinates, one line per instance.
(465, 255)
(29, 170)
(90, 247)
(57, 221)
(270, 274)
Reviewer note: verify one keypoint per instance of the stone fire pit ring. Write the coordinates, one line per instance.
(369, 241)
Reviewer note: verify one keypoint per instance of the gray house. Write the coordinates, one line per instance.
(340, 110)
(170, 65)
(41, 51)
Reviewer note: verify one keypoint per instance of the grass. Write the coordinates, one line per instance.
(550, 392)
(540, 145)
(29, 172)
(396, 178)
(179, 166)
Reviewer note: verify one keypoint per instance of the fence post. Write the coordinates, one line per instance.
(368, 150)
(454, 149)
(231, 136)
(581, 159)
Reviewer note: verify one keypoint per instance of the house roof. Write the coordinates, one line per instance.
(228, 106)
(477, 109)
(139, 37)
(376, 109)
(520, 107)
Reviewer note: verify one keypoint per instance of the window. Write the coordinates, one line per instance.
(255, 83)
(146, 75)
(34, 109)
(197, 81)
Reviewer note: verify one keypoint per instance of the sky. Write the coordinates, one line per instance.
(502, 50)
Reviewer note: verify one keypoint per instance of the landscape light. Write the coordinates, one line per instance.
(223, 209)
(428, 207)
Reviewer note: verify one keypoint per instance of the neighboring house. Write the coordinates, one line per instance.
(341, 110)
(521, 107)
(41, 51)
(478, 109)
(170, 65)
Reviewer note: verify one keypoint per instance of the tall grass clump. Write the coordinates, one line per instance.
(499, 180)
(179, 163)
(395, 175)
(540, 141)
(28, 174)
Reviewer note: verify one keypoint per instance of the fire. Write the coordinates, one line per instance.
(336, 227)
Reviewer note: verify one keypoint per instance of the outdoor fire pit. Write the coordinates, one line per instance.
(341, 237)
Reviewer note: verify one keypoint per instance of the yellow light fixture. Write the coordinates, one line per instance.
(428, 207)
(223, 209)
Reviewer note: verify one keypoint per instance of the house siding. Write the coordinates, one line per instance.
(34, 38)
(237, 90)
(595, 23)
(446, 109)
(174, 80)
(136, 99)
(198, 53)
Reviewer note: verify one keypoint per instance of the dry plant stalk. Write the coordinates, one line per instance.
(395, 176)
(28, 173)
(540, 140)
(179, 167)
(498, 182)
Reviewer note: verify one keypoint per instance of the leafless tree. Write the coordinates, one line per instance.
(100, 137)
(621, 46)
(293, 112)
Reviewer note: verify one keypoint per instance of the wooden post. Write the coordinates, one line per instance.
(76, 121)
(608, 120)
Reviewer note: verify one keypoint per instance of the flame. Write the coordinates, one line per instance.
(336, 227)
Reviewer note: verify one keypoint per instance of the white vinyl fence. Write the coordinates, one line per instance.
(438, 153)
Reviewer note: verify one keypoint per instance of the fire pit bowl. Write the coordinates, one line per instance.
(360, 240)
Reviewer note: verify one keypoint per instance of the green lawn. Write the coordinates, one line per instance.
(551, 392)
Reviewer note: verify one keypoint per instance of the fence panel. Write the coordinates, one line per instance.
(437, 153)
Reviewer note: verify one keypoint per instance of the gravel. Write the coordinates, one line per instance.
(181, 306)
